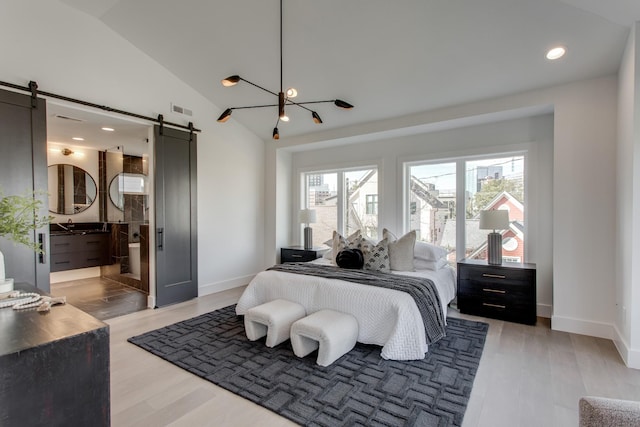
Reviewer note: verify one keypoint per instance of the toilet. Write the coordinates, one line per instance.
(134, 259)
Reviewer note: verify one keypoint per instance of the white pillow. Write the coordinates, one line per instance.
(423, 264)
(401, 250)
(428, 252)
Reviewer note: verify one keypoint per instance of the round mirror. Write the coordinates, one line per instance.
(71, 189)
(127, 183)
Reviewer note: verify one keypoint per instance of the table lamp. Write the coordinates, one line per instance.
(494, 220)
(306, 217)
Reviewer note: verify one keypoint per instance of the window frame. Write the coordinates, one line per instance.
(303, 196)
(460, 159)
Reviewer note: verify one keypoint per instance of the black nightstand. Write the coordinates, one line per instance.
(300, 254)
(506, 291)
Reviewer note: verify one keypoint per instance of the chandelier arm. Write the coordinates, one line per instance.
(313, 102)
(253, 106)
(258, 86)
(298, 104)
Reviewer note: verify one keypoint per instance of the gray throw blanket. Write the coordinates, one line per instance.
(422, 290)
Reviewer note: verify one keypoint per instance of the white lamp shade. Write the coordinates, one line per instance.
(307, 216)
(494, 220)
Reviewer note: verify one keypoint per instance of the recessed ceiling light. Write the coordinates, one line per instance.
(108, 129)
(556, 52)
(77, 138)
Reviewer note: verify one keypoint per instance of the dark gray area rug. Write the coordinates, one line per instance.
(360, 388)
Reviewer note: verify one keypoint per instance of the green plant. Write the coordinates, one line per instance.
(18, 217)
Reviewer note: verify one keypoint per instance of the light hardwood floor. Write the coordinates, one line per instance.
(528, 376)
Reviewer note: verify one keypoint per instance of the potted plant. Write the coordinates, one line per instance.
(18, 217)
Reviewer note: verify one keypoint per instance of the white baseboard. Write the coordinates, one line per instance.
(544, 310)
(81, 273)
(630, 357)
(583, 327)
(224, 285)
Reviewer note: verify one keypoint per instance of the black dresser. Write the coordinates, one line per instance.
(506, 291)
(300, 254)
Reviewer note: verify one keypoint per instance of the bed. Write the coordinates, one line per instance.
(386, 317)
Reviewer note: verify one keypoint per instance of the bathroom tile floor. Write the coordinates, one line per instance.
(102, 298)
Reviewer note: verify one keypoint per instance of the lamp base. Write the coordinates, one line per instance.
(494, 248)
(308, 238)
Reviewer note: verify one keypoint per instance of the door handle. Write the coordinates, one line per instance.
(161, 239)
(41, 244)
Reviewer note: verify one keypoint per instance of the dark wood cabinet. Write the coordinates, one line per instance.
(54, 367)
(300, 254)
(506, 291)
(71, 251)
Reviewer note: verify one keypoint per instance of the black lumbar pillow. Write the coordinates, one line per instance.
(350, 258)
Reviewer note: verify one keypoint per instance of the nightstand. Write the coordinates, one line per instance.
(506, 291)
(300, 254)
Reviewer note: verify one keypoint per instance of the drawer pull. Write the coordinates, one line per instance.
(296, 256)
(497, 291)
(494, 305)
(494, 276)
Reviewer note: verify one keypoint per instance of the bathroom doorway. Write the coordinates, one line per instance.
(99, 199)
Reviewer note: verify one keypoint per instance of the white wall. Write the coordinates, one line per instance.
(70, 53)
(583, 189)
(627, 318)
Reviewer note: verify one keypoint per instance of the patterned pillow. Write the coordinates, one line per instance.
(376, 257)
(339, 243)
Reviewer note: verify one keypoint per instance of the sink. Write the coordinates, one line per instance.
(75, 232)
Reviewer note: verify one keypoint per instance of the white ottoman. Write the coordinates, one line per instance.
(333, 332)
(272, 319)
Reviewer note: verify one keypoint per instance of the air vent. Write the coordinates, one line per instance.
(73, 119)
(181, 110)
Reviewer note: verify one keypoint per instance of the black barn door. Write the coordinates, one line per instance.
(23, 169)
(176, 216)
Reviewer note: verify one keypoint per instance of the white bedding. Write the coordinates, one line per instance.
(386, 317)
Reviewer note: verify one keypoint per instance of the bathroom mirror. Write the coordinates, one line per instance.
(127, 183)
(71, 189)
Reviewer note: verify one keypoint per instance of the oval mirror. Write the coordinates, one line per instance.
(127, 183)
(71, 189)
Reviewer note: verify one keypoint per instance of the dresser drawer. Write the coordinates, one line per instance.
(493, 275)
(495, 289)
(514, 311)
(295, 255)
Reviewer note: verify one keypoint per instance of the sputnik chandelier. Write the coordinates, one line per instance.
(284, 98)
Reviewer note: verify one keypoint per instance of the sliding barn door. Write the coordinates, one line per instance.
(23, 169)
(176, 219)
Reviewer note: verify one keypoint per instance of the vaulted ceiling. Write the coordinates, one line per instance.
(388, 58)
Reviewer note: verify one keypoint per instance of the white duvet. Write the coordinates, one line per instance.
(385, 317)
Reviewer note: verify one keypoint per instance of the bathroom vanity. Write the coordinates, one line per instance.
(79, 248)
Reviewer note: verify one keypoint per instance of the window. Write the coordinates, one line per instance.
(345, 200)
(495, 183)
(439, 193)
(432, 202)
(372, 204)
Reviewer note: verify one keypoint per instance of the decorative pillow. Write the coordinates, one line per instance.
(339, 243)
(376, 257)
(429, 252)
(423, 264)
(401, 250)
(350, 258)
